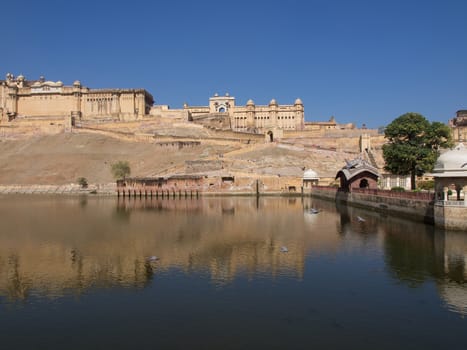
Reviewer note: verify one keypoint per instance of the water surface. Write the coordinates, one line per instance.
(107, 273)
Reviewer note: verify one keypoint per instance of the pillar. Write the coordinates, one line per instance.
(445, 191)
(464, 189)
(115, 104)
(299, 115)
(250, 115)
(273, 114)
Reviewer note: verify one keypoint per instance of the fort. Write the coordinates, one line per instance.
(271, 145)
(20, 97)
(222, 147)
(458, 126)
(41, 99)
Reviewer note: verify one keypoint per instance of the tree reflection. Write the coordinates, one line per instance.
(412, 253)
(17, 285)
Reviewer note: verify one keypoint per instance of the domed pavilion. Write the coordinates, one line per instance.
(310, 179)
(450, 172)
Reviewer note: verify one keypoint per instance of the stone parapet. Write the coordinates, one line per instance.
(419, 209)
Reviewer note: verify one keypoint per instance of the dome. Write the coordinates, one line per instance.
(76, 83)
(298, 101)
(310, 175)
(452, 163)
(20, 77)
(273, 102)
(250, 102)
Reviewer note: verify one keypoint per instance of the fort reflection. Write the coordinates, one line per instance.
(58, 246)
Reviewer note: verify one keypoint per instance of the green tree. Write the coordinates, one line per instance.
(413, 145)
(83, 182)
(121, 169)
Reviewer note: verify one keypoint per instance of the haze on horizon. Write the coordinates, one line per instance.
(364, 62)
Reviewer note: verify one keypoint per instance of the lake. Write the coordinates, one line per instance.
(225, 273)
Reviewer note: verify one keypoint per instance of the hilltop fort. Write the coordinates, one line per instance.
(233, 146)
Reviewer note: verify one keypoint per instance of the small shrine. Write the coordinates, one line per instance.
(357, 173)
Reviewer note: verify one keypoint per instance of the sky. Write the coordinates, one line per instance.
(361, 61)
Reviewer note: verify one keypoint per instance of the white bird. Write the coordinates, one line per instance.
(359, 218)
(284, 249)
(152, 258)
(314, 211)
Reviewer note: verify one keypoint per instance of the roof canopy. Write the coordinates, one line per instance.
(452, 163)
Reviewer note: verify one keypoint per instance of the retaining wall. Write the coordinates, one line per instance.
(450, 217)
(104, 189)
(416, 206)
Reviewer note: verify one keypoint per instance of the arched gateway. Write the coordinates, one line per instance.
(357, 174)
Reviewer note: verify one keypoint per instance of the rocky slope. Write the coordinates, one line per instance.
(62, 158)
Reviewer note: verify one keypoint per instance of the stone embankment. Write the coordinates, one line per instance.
(102, 189)
(416, 206)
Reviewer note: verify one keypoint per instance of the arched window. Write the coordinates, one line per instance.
(364, 183)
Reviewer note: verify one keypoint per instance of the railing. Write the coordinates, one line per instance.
(424, 196)
(452, 203)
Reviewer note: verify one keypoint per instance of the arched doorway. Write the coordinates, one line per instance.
(364, 183)
(271, 136)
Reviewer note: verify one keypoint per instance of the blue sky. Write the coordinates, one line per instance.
(362, 61)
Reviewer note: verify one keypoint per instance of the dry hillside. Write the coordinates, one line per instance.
(62, 158)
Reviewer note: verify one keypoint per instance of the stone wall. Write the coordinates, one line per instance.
(25, 127)
(103, 189)
(236, 136)
(165, 112)
(45, 105)
(451, 217)
(197, 166)
(345, 142)
(218, 121)
(419, 209)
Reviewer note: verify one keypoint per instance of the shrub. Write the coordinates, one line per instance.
(83, 182)
(121, 169)
(398, 189)
(426, 185)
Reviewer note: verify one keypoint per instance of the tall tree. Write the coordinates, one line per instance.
(413, 145)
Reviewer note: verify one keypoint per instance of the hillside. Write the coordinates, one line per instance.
(62, 158)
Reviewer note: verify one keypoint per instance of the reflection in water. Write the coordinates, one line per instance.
(16, 285)
(209, 274)
(57, 246)
(53, 247)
